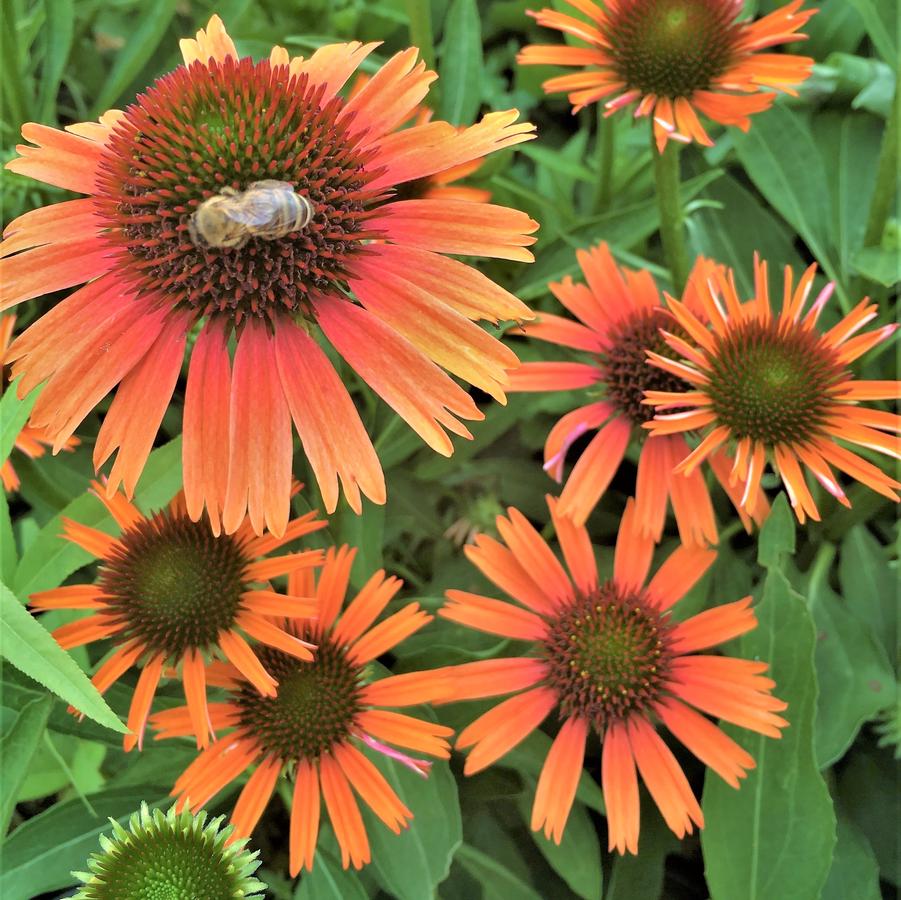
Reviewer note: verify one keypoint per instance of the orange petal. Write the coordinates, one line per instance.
(559, 779)
(620, 785)
(142, 701)
(305, 809)
(344, 814)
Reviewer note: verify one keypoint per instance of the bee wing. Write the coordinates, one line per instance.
(254, 208)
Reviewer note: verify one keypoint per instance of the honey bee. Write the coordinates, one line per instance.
(267, 209)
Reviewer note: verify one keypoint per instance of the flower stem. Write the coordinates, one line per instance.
(666, 172)
(419, 13)
(887, 177)
(604, 148)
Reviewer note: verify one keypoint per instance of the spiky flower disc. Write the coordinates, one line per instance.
(777, 388)
(171, 856)
(321, 718)
(367, 268)
(674, 59)
(617, 317)
(174, 592)
(606, 656)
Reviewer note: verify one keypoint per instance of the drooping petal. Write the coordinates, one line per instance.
(205, 446)
(333, 437)
(259, 439)
(137, 410)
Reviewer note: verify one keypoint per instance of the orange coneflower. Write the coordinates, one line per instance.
(675, 59)
(171, 592)
(778, 389)
(318, 719)
(607, 657)
(31, 441)
(212, 129)
(620, 315)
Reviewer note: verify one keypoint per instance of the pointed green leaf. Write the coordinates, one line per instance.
(461, 63)
(30, 648)
(14, 414)
(774, 836)
(855, 677)
(412, 864)
(781, 158)
(17, 748)
(777, 537)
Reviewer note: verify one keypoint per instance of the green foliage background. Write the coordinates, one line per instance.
(819, 816)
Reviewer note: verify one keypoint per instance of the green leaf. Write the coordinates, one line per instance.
(366, 532)
(881, 20)
(849, 144)
(50, 559)
(29, 647)
(151, 22)
(328, 881)
(881, 265)
(412, 864)
(774, 836)
(16, 107)
(854, 675)
(722, 235)
(41, 854)
(8, 554)
(868, 791)
(781, 158)
(622, 228)
(461, 63)
(497, 881)
(642, 876)
(17, 747)
(577, 858)
(777, 537)
(58, 33)
(14, 414)
(854, 871)
(870, 586)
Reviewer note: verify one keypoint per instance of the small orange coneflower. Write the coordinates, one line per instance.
(620, 315)
(674, 59)
(31, 441)
(318, 719)
(607, 657)
(778, 389)
(366, 268)
(171, 592)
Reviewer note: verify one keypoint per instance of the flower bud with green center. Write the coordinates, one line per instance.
(170, 856)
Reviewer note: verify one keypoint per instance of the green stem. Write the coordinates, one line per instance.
(419, 13)
(604, 148)
(887, 178)
(672, 233)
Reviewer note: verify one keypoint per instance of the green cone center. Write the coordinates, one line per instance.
(672, 48)
(607, 655)
(771, 386)
(315, 707)
(166, 866)
(175, 585)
